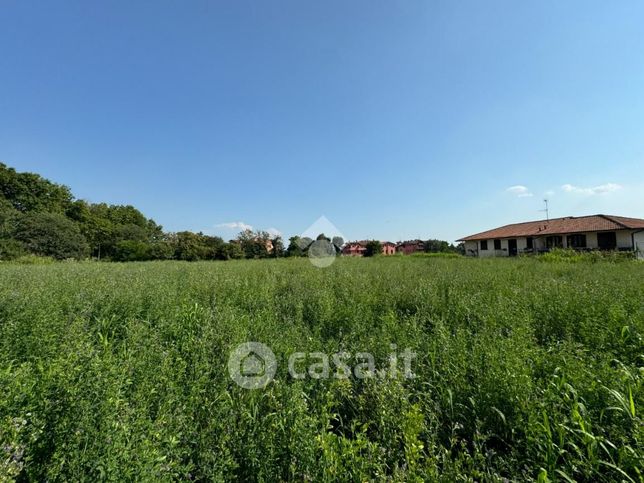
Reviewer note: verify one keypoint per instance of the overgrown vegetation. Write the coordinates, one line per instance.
(568, 255)
(525, 371)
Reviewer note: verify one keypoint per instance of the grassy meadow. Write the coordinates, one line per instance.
(527, 369)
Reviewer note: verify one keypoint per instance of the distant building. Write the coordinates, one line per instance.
(595, 232)
(388, 248)
(410, 246)
(357, 248)
(354, 249)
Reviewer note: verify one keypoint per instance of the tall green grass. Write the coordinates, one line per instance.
(525, 370)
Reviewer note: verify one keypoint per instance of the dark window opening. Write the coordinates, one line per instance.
(497, 244)
(512, 247)
(555, 241)
(577, 241)
(530, 243)
(607, 240)
(483, 244)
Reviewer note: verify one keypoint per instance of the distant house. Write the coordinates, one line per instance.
(410, 246)
(595, 232)
(388, 248)
(357, 248)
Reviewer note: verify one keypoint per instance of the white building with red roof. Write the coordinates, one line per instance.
(594, 232)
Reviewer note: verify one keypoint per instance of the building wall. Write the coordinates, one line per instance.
(471, 248)
(353, 250)
(409, 248)
(491, 252)
(639, 244)
(591, 240)
(357, 249)
(624, 241)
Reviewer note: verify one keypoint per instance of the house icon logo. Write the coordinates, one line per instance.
(252, 365)
(322, 242)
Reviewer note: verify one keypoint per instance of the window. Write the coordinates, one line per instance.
(483, 244)
(555, 241)
(497, 244)
(530, 243)
(607, 240)
(577, 241)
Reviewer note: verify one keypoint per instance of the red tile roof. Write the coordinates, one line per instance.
(559, 226)
(363, 243)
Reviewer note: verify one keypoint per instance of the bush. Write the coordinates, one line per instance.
(31, 259)
(437, 255)
(131, 251)
(372, 248)
(11, 249)
(51, 235)
(568, 255)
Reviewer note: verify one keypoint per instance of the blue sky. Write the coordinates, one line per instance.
(394, 119)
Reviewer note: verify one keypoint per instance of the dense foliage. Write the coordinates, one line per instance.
(42, 218)
(526, 370)
(372, 248)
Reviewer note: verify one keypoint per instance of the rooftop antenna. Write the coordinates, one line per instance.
(546, 210)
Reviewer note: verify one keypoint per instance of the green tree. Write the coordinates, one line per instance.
(161, 250)
(215, 247)
(230, 251)
(11, 249)
(254, 244)
(131, 231)
(190, 246)
(436, 246)
(9, 216)
(278, 247)
(372, 248)
(131, 251)
(51, 234)
(30, 192)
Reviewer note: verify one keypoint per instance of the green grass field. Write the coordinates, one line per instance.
(526, 369)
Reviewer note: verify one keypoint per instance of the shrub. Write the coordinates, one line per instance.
(31, 259)
(52, 235)
(568, 255)
(11, 249)
(372, 248)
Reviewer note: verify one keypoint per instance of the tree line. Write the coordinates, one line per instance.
(43, 218)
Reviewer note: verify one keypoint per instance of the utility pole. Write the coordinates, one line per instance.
(546, 210)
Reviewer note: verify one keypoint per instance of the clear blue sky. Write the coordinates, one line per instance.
(395, 119)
